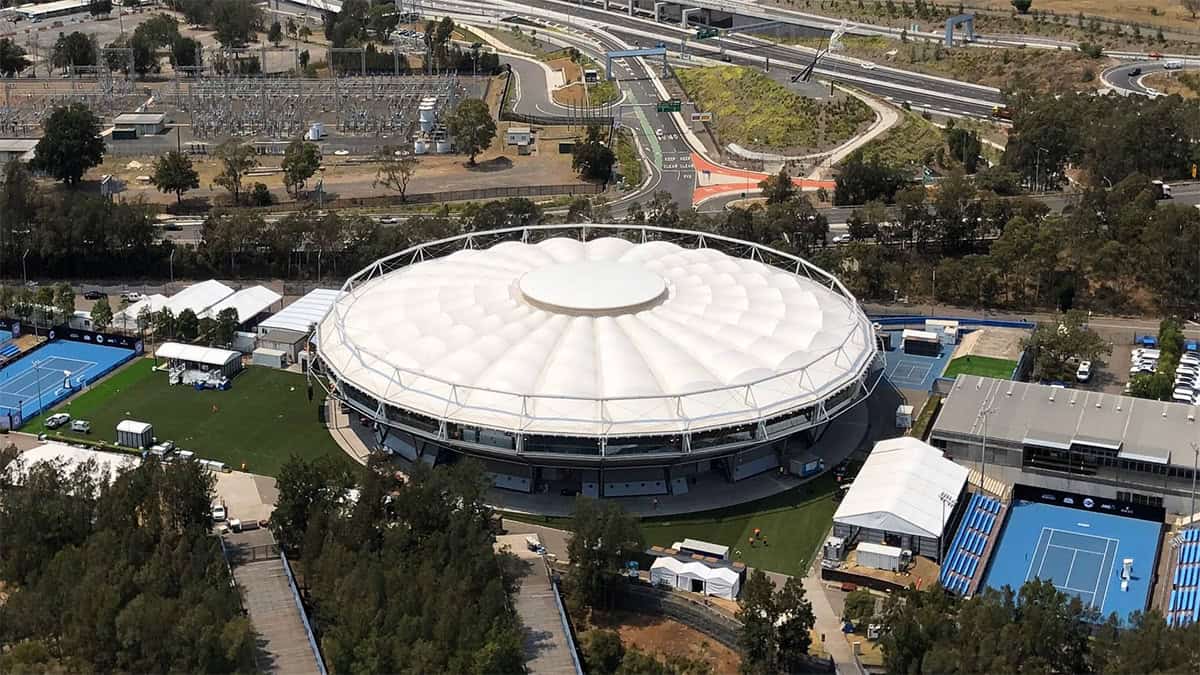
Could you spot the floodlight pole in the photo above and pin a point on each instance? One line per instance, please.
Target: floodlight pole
(946, 500)
(984, 414)
(1195, 462)
(36, 370)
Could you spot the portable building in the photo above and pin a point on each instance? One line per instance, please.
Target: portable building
(921, 342)
(879, 556)
(200, 358)
(134, 434)
(271, 358)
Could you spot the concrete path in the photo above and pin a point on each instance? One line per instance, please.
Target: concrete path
(282, 642)
(548, 648)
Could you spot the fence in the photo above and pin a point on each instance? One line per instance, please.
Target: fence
(568, 628)
(447, 196)
(308, 631)
(583, 119)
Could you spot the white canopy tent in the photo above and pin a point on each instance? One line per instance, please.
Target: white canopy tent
(695, 576)
(905, 492)
(248, 302)
(207, 358)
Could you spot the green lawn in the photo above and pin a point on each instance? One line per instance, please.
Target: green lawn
(981, 365)
(793, 522)
(264, 419)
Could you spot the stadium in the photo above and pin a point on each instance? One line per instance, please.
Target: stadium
(605, 359)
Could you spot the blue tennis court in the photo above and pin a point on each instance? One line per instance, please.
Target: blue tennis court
(54, 371)
(1080, 552)
(913, 371)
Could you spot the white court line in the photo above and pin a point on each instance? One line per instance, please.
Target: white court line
(1036, 548)
(1116, 547)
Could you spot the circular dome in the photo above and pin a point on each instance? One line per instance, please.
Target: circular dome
(603, 337)
(592, 287)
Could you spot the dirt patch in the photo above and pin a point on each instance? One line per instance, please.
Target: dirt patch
(668, 638)
(570, 70)
(992, 342)
(572, 94)
(1186, 85)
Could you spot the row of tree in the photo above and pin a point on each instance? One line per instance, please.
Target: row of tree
(115, 577)
(400, 575)
(1037, 629)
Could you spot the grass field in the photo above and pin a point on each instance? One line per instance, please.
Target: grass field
(793, 523)
(914, 140)
(264, 419)
(757, 112)
(981, 365)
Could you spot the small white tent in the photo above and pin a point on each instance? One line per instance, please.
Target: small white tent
(696, 577)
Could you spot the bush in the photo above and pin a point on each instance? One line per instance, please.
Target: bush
(261, 195)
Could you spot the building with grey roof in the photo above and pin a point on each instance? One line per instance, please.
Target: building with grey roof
(1125, 448)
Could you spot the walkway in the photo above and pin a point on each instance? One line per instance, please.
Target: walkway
(282, 641)
(349, 437)
(548, 648)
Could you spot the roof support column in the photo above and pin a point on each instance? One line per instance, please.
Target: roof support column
(658, 10)
(684, 14)
(632, 5)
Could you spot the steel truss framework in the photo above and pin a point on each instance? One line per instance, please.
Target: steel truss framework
(811, 404)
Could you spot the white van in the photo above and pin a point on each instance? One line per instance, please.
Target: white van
(1172, 65)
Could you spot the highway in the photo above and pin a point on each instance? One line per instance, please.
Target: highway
(1128, 77)
(919, 90)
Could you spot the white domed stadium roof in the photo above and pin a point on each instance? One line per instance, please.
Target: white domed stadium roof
(598, 338)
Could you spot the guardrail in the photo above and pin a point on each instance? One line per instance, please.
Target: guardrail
(308, 632)
(440, 197)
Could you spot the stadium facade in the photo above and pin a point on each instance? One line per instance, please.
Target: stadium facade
(608, 359)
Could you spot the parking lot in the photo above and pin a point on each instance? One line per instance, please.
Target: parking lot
(247, 496)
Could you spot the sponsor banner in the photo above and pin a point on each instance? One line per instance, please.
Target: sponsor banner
(65, 332)
(1083, 502)
(11, 325)
(10, 419)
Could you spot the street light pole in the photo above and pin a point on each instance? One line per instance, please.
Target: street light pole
(1195, 462)
(947, 500)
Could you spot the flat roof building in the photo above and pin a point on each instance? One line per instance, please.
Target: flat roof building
(1127, 448)
(19, 149)
(142, 124)
(45, 10)
(302, 315)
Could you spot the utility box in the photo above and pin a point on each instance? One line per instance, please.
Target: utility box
(805, 466)
(879, 556)
(134, 434)
(904, 417)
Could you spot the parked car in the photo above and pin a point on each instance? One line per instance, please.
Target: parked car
(131, 296)
(1084, 372)
(92, 295)
(218, 511)
(81, 426)
(57, 420)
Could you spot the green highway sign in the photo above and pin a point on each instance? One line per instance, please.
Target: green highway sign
(704, 33)
(673, 105)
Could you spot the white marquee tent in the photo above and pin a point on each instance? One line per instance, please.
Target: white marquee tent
(695, 576)
(897, 497)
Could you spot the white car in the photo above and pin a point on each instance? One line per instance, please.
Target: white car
(131, 296)
(842, 238)
(1084, 372)
(658, 133)
(81, 426)
(218, 511)
(57, 420)
(867, 65)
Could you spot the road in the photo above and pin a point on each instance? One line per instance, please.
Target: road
(1129, 77)
(919, 90)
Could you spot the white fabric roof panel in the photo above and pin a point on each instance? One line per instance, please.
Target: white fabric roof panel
(108, 464)
(303, 313)
(154, 303)
(133, 426)
(470, 341)
(199, 297)
(248, 302)
(196, 354)
(898, 489)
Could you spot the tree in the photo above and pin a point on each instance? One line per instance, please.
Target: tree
(187, 326)
(603, 538)
(70, 145)
(64, 300)
(12, 58)
(592, 158)
(100, 7)
(236, 159)
(1022, 6)
(173, 172)
(1054, 344)
(964, 146)
(226, 324)
(301, 160)
(859, 606)
(74, 49)
(275, 34)
(165, 324)
(603, 652)
(472, 127)
(1192, 6)
(185, 53)
(778, 188)
(758, 614)
(862, 180)
(236, 22)
(397, 167)
(102, 314)
(794, 627)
